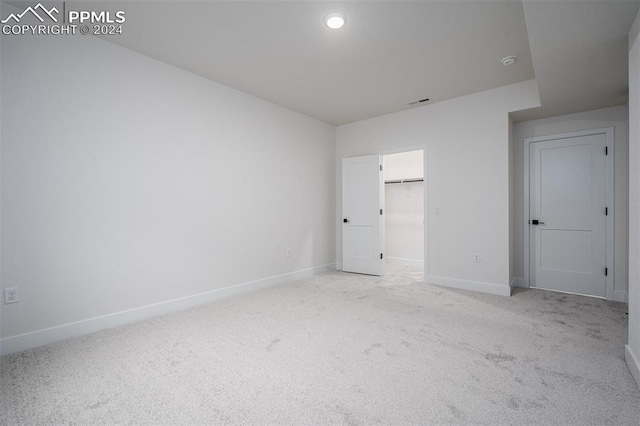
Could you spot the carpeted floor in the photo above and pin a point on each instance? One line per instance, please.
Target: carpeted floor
(340, 349)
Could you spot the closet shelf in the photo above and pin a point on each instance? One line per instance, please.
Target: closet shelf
(404, 180)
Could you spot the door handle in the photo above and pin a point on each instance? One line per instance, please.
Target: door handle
(536, 222)
(346, 220)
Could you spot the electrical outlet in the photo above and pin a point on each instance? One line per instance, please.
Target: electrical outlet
(476, 257)
(11, 295)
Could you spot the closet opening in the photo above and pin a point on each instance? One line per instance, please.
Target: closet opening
(404, 193)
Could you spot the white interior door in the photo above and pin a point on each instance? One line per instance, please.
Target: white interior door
(362, 226)
(567, 222)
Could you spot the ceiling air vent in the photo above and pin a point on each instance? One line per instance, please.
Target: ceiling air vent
(419, 101)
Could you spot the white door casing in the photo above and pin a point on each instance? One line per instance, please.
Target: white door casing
(570, 198)
(362, 226)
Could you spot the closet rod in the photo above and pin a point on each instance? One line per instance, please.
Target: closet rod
(404, 180)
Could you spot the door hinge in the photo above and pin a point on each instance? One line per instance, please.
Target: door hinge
(606, 150)
(380, 167)
(606, 271)
(380, 212)
(606, 211)
(380, 255)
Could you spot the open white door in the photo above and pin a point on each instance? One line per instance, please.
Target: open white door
(362, 226)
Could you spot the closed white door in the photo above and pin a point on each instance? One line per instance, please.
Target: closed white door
(362, 201)
(567, 214)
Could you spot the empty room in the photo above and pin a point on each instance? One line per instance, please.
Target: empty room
(320, 212)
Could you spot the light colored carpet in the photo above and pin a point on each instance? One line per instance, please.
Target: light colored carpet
(340, 349)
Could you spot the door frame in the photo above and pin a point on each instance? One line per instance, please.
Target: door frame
(425, 170)
(609, 188)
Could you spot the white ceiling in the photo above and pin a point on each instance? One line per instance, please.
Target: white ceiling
(580, 53)
(391, 52)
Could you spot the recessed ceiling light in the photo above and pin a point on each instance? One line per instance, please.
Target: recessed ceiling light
(335, 20)
(509, 60)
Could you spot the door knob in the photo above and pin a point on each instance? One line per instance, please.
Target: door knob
(345, 220)
(536, 222)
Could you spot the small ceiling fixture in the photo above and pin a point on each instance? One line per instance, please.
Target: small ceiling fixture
(509, 60)
(335, 20)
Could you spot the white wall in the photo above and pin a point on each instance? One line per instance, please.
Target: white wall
(467, 176)
(616, 117)
(404, 227)
(2, 11)
(404, 208)
(632, 354)
(127, 183)
(512, 277)
(403, 165)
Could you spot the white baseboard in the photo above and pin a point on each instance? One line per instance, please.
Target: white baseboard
(500, 290)
(46, 336)
(634, 364)
(405, 262)
(620, 296)
(517, 282)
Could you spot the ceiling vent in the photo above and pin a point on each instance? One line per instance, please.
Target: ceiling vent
(419, 101)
